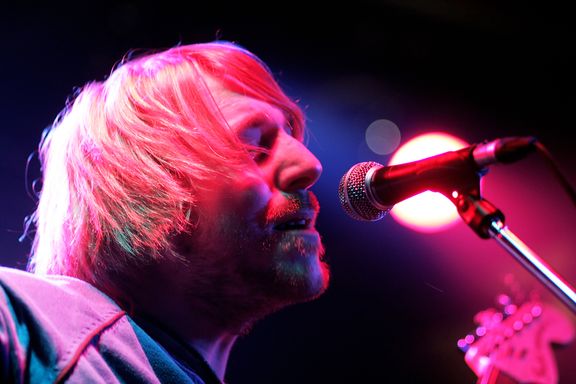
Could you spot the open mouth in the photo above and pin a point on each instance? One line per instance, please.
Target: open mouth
(294, 224)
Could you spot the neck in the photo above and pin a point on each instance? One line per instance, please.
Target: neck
(161, 305)
(202, 341)
(215, 351)
(212, 342)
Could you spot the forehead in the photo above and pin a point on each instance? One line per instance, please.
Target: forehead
(241, 110)
(237, 108)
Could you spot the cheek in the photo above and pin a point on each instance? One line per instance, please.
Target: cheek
(232, 212)
(248, 199)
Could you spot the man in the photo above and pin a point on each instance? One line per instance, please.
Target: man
(174, 213)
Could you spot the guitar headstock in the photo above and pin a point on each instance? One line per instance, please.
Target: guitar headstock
(517, 340)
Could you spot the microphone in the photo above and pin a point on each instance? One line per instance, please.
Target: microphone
(369, 190)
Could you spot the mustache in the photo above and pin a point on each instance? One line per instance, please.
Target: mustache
(293, 204)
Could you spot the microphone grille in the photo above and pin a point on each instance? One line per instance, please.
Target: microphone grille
(353, 195)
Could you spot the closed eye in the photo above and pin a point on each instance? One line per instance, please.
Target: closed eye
(259, 132)
(260, 148)
(259, 137)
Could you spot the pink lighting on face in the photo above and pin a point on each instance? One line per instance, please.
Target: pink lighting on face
(429, 211)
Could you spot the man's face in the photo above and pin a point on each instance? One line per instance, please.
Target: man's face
(256, 248)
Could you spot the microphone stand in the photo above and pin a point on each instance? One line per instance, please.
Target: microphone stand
(488, 222)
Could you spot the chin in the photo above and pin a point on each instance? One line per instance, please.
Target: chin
(304, 281)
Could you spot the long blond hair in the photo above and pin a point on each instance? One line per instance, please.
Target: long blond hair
(122, 161)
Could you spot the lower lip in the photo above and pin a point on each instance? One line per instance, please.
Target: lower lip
(309, 234)
(296, 231)
(298, 242)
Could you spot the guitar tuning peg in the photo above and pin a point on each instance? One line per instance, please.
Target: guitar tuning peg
(485, 317)
(465, 342)
(480, 331)
(510, 309)
(502, 300)
(536, 310)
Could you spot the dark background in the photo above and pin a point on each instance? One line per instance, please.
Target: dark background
(399, 299)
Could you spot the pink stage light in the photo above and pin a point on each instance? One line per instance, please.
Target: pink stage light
(429, 211)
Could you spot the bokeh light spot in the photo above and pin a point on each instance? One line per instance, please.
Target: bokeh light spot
(383, 136)
(429, 211)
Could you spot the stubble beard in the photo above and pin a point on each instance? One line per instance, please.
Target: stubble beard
(239, 283)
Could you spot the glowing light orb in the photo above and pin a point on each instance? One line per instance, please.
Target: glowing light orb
(383, 136)
(428, 211)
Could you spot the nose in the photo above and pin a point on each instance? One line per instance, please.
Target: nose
(297, 168)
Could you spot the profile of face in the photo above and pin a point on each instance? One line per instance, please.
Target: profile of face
(255, 248)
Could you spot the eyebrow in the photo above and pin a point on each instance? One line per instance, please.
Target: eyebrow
(252, 119)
